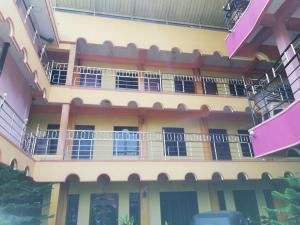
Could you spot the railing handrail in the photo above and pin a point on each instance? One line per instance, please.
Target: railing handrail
(271, 70)
(163, 75)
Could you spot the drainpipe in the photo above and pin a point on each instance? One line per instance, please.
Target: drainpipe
(3, 55)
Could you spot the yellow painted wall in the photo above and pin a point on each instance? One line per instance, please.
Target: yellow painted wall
(122, 32)
(154, 188)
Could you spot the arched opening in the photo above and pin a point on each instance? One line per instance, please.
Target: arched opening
(217, 177)
(293, 153)
(14, 164)
(134, 178)
(162, 177)
(103, 179)
(266, 176)
(242, 176)
(190, 177)
(72, 178)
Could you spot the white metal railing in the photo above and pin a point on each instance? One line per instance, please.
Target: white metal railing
(31, 27)
(13, 126)
(110, 145)
(108, 78)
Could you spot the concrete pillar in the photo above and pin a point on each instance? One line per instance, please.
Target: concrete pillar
(141, 77)
(213, 197)
(53, 205)
(283, 39)
(143, 138)
(64, 119)
(62, 204)
(206, 147)
(198, 83)
(71, 63)
(144, 196)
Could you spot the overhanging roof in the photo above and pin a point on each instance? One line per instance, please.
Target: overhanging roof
(206, 13)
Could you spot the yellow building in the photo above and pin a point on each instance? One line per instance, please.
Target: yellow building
(134, 108)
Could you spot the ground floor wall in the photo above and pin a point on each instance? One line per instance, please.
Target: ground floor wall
(150, 195)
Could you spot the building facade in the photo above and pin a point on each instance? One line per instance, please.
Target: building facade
(151, 110)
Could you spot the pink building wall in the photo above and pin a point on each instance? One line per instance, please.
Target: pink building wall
(246, 24)
(13, 83)
(280, 132)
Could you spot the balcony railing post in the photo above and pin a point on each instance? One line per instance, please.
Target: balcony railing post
(28, 13)
(215, 148)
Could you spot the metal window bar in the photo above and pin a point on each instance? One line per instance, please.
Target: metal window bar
(233, 10)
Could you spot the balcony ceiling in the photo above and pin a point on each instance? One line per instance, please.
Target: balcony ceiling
(187, 12)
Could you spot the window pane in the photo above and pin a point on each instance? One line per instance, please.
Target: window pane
(174, 142)
(209, 87)
(104, 209)
(134, 207)
(219, 144)
(83, 142)
(126, 141)
(48, 143)
(245, 143)
(128, 80)
(152, 82)
(237, 89)
(58, 75)
(184, 84)
(72, 209)
(90, 78)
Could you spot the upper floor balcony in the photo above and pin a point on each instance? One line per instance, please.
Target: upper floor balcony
(274, 103)
(233, 10)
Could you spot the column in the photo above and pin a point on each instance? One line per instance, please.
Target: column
(64, 119)
(53, 205)
(198, 83)
(142, 138)
(62, 204)
(213, 197)
(71, 63)
(141, 77)
(206, 147)
(282, 39)
(144, 196)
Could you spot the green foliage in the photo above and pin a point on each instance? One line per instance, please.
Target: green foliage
(21, 199)
(291, 205)
(125, 220)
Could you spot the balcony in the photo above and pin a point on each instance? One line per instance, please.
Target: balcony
(129, 145)
(274, 102)
(149, 81)
(233, 11)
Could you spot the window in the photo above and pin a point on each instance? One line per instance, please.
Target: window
(48, 144)
(236, 88)
(72, 209)
(209, 86)
(90, 77)
(221, 200)
(219, 144)
(83, 142)
(245, 202)
(174, 142)
(245, 143)
(59, 74)
(178, 208)
(134, 207)
(152, 82)
(127, 80)
(126, 141)
(184, 84)
(104, 209)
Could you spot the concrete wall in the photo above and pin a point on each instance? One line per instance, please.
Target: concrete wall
(202, 188)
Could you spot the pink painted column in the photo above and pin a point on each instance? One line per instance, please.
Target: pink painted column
(283, 40)
(71, 63)
(64, 119)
